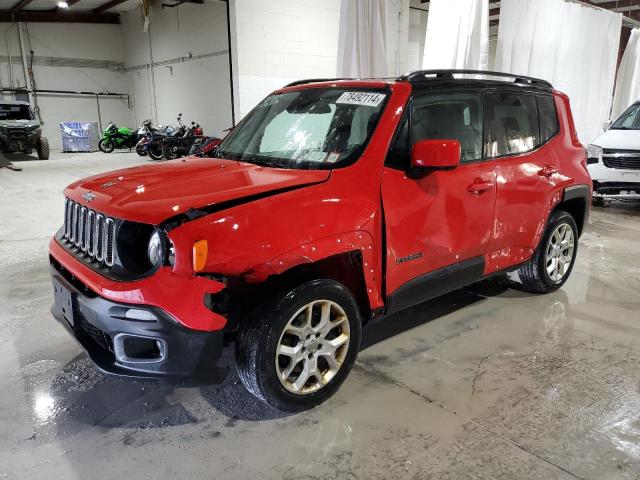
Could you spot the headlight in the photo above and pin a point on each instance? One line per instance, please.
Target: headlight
(594, 153)
(154, 249)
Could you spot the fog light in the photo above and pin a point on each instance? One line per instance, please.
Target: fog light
(140, 315)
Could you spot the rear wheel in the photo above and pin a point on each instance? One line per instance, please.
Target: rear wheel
(295, 351)
(43, 148)
(597, 201)
(140, 150)
(553, 260)
(106, 145)
(169, 152)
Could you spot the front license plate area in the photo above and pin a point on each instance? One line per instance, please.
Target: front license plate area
(63, 300)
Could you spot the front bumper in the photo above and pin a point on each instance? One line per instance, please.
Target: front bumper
(156, 347)
(133, 331)
(619, 190)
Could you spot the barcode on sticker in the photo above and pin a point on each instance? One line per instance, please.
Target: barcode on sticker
(361, 98)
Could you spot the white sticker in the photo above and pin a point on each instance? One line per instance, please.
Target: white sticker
(367, 99)
(332, 157)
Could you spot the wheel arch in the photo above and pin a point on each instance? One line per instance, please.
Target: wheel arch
(576, 201)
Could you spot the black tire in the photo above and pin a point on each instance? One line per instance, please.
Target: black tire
(597, 201)
(141, 151)
(106, 145)
(260, 335)
(533, 274)
(43, 148)
(169, 151)
(155, 151)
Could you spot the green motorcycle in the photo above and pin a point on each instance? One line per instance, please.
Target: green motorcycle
(118, 137)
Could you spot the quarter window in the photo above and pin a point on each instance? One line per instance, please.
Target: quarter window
(511, 124)
(548, 117)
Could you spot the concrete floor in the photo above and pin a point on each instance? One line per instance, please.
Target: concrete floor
(487, 382)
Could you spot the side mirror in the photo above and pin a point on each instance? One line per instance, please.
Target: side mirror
(435, 155)
(606, 125)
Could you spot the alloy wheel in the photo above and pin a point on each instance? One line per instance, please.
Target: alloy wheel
(313, 346)
(559, 253)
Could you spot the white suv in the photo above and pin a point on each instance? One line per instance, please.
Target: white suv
(614, 158)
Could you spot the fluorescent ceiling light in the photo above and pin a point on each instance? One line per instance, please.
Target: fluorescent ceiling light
(63, 4)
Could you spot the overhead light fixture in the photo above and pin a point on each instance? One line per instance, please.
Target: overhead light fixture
(63, 4)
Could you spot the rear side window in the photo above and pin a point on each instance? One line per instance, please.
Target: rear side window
(548, 117)
(450, 116)
(511, 124)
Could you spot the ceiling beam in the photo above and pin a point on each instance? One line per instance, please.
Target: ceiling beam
(107, 6)
(57, 16)
(71, 3)
(20, 5)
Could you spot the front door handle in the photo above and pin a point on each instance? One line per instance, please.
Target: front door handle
(480, 187)
(547, 171)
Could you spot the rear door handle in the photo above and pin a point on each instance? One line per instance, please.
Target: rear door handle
(480, 187)
(547, 171)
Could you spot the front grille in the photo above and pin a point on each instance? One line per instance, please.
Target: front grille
(90, 232)
(622, 159)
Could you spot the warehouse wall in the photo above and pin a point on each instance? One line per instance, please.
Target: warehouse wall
(57, 43)
(280, 41)
(191, 42)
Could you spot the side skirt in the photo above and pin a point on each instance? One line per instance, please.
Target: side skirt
(436, 283)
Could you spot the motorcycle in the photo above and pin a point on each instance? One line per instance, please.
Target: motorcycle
(179, 146)
(117, 137)
(155, 144)
(205, 146)
(150, 142)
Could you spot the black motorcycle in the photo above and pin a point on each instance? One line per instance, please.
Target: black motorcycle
(154, 147)
(179, 146)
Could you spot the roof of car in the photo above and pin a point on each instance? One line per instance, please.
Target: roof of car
(438, 78)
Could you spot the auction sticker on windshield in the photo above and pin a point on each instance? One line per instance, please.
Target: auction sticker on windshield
(361, 98)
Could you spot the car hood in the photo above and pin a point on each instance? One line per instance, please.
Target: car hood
(18, 123)
(619, 139)
(154, 193)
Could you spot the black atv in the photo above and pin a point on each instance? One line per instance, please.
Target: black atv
(20, 131)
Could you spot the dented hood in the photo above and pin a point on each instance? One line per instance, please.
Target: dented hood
(154, 193)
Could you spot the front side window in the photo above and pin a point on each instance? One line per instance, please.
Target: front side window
(629, 120)
(511, 124)
(15, 112)
(450, 116)
(313, 128)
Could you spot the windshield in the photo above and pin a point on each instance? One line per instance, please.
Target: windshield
(315, 128)
(15, 112)
(629, 120)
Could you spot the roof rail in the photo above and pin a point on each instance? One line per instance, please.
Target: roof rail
(314, 80)
(448, 74)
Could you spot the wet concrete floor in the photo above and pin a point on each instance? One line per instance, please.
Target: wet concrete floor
(487, 382)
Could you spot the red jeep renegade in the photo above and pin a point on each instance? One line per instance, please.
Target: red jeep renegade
(333, 202)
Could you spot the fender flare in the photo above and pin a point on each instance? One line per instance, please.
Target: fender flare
(323, 248)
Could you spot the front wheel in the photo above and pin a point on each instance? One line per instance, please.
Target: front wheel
(155, 150)
(106, 145)
(553, 260)
(42, 148)
(295, 351)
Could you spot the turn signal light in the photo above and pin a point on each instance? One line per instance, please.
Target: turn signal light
(200, 249)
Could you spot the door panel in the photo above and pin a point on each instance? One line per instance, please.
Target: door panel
(436, 221)
(525, 185)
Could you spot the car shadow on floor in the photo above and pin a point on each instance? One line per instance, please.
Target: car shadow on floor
(94, 399)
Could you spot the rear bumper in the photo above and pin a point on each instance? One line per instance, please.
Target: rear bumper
(152, 346)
